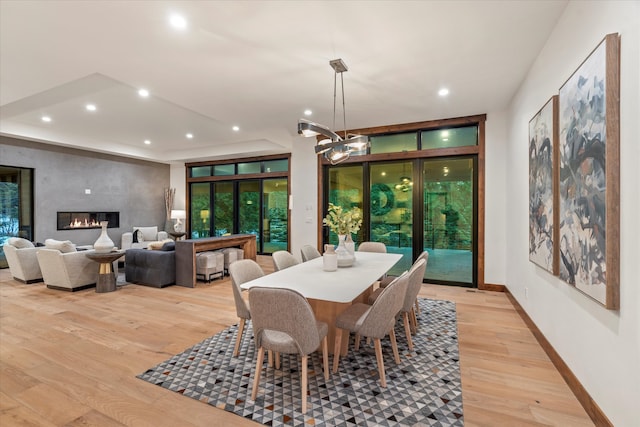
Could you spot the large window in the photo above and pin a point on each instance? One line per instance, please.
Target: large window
(16, 206)
(422, 193)
(248, 197)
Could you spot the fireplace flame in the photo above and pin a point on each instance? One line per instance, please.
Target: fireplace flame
(77, 223)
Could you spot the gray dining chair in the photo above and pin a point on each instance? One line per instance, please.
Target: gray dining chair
(282, 260)
(309, 252)
(384, 282)
(242, 271)
(378, 247)
(416, 273)
(283, 322)
(373, 321)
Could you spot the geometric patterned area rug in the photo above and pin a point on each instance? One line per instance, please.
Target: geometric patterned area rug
(424, 389)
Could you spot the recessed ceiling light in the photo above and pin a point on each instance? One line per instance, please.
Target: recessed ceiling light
(443, 92)
(46, 119)
(143, 93)
(178, 22)
(146, 141)
(308, 112)
(235, 128)
(90, 107)
(189, 136)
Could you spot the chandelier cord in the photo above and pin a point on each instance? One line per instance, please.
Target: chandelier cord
(344, 110)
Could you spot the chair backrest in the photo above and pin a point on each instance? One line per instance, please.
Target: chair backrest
(416, 274)
(282, 260)
(380, 318)
(424, 255)
(285, 311)
(309, 252)
(243, 271)
(372, 247)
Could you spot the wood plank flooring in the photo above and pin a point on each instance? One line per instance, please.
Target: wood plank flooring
(70, 359)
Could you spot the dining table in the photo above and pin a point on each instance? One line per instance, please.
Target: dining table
(331, 292)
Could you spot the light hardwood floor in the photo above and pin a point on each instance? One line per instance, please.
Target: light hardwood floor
(70, 359)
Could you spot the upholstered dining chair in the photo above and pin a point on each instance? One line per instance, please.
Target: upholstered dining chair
(384, 282)
(373, 321)
(282, 260)
(416, 273)
(241, 272)
(283, 322)
(309, 252)
(372, 247)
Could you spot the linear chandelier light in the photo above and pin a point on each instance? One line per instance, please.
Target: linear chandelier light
(335, 148)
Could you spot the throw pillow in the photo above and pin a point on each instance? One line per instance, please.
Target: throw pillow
(63, 246)
(138, 236)
(155, 245)
(19, 243)
(169, 246)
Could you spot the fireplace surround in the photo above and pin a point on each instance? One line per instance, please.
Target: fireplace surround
(84, 220)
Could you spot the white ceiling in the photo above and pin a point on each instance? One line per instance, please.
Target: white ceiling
(254, 64)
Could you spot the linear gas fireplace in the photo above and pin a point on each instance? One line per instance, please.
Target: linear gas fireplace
(84, 220)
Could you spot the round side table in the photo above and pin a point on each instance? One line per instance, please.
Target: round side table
(106, 276)
(177, 235)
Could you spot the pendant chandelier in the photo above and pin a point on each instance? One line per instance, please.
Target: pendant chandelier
(335, 148)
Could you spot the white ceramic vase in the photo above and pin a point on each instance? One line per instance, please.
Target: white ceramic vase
(329, 259)
(104, 244)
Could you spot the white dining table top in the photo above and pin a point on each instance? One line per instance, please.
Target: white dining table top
(342, 286)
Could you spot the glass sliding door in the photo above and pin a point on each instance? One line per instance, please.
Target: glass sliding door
(200, 210)
(449, 223)
(16, 206)
(391, 209)
(249, 209)
(223, 208)
(275, 214)
(345, 188)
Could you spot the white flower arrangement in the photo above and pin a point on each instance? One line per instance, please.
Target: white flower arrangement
(341, 221)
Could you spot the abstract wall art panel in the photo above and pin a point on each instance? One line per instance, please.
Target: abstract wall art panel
(589, 184)
(543, 155)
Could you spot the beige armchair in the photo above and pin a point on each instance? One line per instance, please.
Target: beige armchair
(146, 235)
(70, 271)
(21, 257)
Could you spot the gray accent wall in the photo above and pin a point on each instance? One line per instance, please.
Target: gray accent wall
(135, 188)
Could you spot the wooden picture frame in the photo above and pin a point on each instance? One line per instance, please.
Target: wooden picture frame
(543, 184)
(589, 186)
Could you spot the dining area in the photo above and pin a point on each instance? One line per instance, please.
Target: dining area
(309, 307)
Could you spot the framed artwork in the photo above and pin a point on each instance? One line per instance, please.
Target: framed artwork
(589, 109)
(543, 181)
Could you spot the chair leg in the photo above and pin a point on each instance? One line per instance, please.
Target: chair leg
(325, 358)
(414, 321)
(277, 360)
(378, 346)
(357, 346)
(256, 378)
(236, 349)
(304, 378)
(270, 358)
(336, 349)
(417, 306)
(394, 346)
(407, 329)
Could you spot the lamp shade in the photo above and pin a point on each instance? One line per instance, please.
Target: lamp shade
(178, 214)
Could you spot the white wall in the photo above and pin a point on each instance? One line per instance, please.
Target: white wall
(304, 191)
(179, 182)
(601, 347)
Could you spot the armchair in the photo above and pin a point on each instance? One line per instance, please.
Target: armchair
(21, 257)
(146, 235)
(70, 271)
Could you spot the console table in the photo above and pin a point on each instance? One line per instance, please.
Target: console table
(186, 253)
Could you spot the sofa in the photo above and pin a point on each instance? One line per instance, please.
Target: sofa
(151, 267)
(67, 271)
(22, 260)
(140, 237)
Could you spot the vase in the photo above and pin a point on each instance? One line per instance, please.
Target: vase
(329, 259)
(345, 259)
(104, 244)
(350, 245)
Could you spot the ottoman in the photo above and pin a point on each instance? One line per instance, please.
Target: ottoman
(231, 255)
(209, 264)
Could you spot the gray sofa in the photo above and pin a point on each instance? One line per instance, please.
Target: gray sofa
(151, 267)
